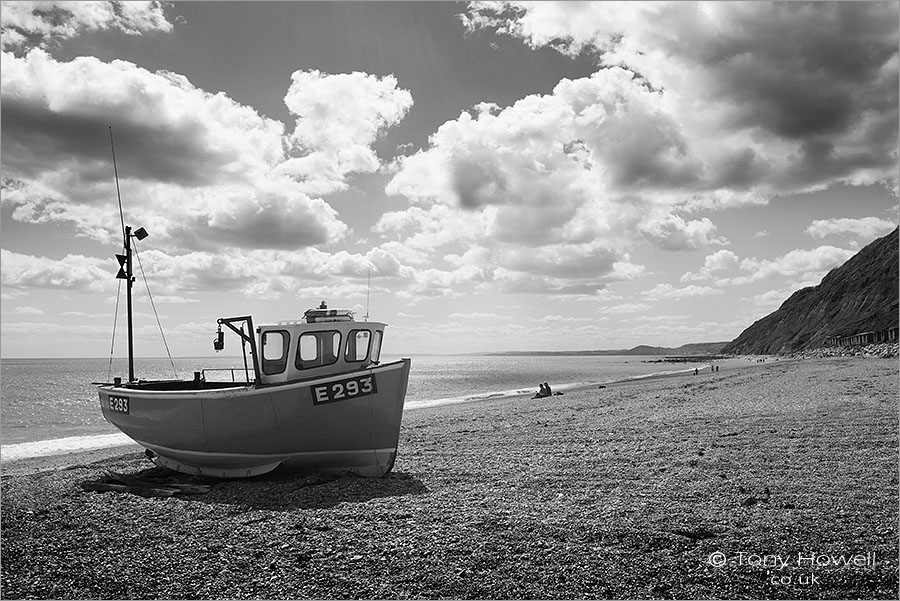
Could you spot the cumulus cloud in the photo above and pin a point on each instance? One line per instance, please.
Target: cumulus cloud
(695, 108)
(416, 233)
(198, 170)
(553, 152)
(867, 228)
(798, 265)
(72, 272)
(339, 117)
(672, 232)
(559, 185)
(726, 268)
(721, 260)
(166, 129)
(794, 95)
(27, 24)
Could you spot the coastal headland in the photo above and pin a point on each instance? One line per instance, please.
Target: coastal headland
(777, 481)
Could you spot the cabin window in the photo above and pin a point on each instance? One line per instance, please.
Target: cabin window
(376, 346)
(358, 345)
(317, 349)
(274, 351)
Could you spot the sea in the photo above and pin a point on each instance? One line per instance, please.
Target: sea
(50, 406)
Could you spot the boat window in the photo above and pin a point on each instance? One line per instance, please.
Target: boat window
(274, 351)
(358, 345)
(317, 349)
(376, 346)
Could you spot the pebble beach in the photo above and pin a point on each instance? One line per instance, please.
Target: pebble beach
(771, 481)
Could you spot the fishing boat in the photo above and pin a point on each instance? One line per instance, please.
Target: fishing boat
(315, 396)
(319, 400)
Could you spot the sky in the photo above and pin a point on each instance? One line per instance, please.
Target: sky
(481, 176)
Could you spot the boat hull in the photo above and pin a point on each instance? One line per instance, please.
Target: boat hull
(344, 423)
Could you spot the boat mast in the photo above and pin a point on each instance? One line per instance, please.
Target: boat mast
(129, 278)
(125, 266)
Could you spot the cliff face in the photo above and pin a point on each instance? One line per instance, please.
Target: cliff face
(859, 296)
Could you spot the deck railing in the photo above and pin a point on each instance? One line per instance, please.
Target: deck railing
(247, 379)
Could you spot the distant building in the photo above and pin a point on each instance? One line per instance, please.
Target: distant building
(888, 335)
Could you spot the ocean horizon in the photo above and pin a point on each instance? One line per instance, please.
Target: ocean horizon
(50, 405)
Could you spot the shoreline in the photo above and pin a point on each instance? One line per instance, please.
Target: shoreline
(626, 492)
(54, 451)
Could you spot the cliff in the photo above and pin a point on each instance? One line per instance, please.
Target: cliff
(859, 296)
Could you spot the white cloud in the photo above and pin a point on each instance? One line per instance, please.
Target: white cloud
(721, 260)
(773, 299)
(269, 274)
(339, 117)
(663, 319)
(568, 319)
(554, 153)
(624, 309)
(553, 190)
(422, 233)
(165, 128)
(74, 272)
(198, 170)
(174, 300)
(24, 24)
(799, 265)
(27, 310)
(671, 232)
(480, 316)
(867, 228)
(775, 97)
(667, 291)
(537, 278)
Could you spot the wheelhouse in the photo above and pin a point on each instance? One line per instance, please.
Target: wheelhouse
(320, 345)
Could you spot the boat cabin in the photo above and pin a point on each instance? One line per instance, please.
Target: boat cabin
(325, 342)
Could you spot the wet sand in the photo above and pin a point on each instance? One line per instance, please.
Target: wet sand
(785, 474)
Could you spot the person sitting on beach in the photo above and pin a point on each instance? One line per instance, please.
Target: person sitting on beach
(542, 392)
(547, 389)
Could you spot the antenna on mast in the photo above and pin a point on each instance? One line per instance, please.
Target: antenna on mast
(116, 170)
(368, 287)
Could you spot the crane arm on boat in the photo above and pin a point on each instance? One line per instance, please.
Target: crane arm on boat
(246, 338)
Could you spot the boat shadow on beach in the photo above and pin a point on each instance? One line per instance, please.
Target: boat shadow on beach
(281, 490)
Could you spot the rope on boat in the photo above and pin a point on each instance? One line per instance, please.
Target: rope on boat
(112, 344)
(155, 314)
